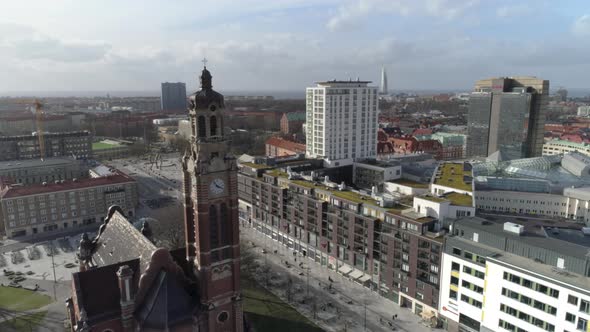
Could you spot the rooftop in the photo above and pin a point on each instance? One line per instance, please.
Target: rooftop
(26, 163)
(286, 144)
(454, 175)
(65, 185)
(255, 166)
(410, 183)
(459, 199)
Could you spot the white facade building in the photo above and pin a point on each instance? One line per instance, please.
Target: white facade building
(501, 277)
(341, 122)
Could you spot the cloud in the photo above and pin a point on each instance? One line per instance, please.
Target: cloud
(581, 26)
(354, 14)
(26, 43)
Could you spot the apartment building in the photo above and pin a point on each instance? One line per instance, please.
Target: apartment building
(387, 247)
(63, 144)
(63, 204)
(36, 171)
(341, 123)
(515, 276)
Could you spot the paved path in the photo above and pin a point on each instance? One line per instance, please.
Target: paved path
(379, 310)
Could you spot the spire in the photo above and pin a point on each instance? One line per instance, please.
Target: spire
(383, 81)
(206, 77)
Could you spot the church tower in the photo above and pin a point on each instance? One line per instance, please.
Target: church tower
(211, 211)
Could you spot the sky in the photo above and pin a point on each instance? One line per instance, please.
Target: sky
(261, 45)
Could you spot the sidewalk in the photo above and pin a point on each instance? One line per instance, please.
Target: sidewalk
(348, 295)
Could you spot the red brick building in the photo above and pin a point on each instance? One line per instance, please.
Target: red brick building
(279, 147)
(127, 284)
(291, 122)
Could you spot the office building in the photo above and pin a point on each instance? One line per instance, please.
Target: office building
(367, 237)
(558, 146)
(556, 186)
(64, 204)
(36, 171)
(515, 275)
(341, 124)
(507, 115)
(77, 144)
(453, 145)
(584, 110)
(173, 97)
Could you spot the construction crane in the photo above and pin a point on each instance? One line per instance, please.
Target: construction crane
(39, 118)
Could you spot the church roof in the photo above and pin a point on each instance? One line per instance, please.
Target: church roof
(97, 290)
(120, 241)
(166, 304)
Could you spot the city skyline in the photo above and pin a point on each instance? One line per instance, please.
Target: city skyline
(289, 44)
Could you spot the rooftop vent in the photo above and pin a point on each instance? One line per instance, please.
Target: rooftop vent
(586, 231)
(44, 183)
(513, 228)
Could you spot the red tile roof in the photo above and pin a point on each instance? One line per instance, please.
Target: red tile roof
(18, 191)
(285, 144)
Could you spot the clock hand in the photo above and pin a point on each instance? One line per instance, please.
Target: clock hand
(218, 186)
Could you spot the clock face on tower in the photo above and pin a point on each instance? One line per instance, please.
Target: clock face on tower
(217, 187)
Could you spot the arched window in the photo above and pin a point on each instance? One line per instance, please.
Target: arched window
(224, 225)
(213, 227)
(213, 125)
(202, 127)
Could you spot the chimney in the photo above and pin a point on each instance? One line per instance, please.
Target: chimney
(125, 276)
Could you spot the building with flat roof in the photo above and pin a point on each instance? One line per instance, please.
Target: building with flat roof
(173, 97)
(35, 171)
(525, 275)
(507, 115)
(341, 123)
(63, 204)
(370, 238)
(559, 146)
(555, 186)
(65, 144)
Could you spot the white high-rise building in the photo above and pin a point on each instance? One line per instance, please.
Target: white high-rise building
(383, 90)
(341, 121)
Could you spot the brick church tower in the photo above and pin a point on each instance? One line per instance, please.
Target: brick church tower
(211, 211)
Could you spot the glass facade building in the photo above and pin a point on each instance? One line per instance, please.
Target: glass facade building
(507, 115)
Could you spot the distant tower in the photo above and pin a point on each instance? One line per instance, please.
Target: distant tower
(383, 90)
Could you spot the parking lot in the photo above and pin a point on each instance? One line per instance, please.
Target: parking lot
(37, 261)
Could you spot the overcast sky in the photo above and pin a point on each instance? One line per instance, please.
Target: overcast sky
(289, 44)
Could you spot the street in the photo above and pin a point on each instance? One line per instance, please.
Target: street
(341, 306)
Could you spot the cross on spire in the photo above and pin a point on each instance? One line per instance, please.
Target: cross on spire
(204, 62)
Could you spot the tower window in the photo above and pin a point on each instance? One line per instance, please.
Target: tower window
(213, 230)
(202, 127)
(213, 125)
(224, 225)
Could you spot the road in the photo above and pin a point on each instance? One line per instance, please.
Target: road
(348, 296)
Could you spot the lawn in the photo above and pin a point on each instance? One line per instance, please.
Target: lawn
(23, 323)
(19, 299)
(102, 146)
(267, 313)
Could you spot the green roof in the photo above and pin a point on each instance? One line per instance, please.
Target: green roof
(451, 175)
(303, 183)
(460, 199)
(256, 166)
(433, 199)
(410, 183)
(296, 116)
(104, 146)
(277, 173)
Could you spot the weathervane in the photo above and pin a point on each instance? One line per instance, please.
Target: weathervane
(204, 62)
